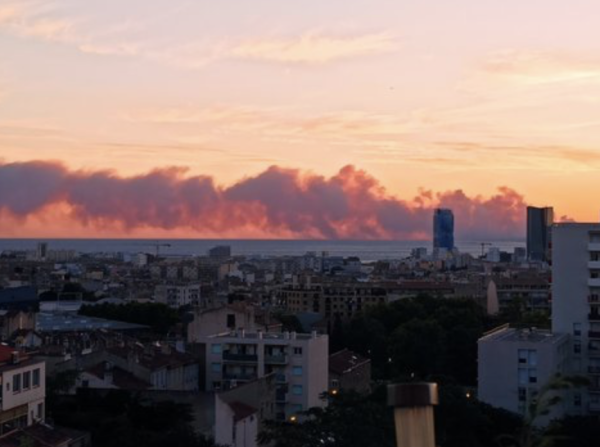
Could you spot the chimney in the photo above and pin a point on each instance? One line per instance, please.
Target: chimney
(293, 335)
(314, 334)
(14, 357)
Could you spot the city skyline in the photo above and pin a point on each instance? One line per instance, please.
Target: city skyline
(401, 93)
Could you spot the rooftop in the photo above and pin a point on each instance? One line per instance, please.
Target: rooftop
(345, 361)
(531, 335)
(52, 322)
(267, 335)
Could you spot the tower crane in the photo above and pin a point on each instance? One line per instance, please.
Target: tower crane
(483, 244)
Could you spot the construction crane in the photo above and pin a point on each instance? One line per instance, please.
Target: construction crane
(483, 244)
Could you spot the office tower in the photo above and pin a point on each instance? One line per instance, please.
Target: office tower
(443, 229)
(539, 223)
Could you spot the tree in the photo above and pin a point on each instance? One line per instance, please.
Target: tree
(418, 347)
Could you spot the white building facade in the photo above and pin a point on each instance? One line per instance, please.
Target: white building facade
(23, 393)
(299, 362)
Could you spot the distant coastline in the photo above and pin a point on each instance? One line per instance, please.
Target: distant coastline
(366, 250)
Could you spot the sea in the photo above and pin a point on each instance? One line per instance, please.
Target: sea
(365, 250)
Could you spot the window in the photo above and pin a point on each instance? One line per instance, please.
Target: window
(577, 399)
(40, 410)
(215, 349)
(231, 321)
(523, 376)
(36, 377)
(16, 383)
(215, 367)
(297, 370)
(577, 329)
(297, 408)
(297, 351)
(576, 347)
(297, 390)
(532, 356)
(528, 357)
(26, 380)
(523, 356)
(532, 376)
(522, 394)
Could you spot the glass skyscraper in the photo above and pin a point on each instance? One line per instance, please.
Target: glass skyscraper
(539, 227)
(443, 229)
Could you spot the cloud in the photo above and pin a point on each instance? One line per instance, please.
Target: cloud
(278, 202)
(314, 48)
(47, 21)
(542, 67)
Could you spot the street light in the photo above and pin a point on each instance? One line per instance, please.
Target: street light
(413, 413)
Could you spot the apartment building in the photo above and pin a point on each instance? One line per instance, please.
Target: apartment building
(211, 321)
(572, 348)
(576, 302)
(22, 390)
(333, 300)
(299, 362)
(514, 364)
(176, 296)
(533, 291)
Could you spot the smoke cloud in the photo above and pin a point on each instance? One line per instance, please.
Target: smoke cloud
(278, 202)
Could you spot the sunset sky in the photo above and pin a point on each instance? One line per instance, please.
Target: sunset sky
(422, 98)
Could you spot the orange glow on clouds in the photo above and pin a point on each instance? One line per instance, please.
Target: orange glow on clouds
(47, 199)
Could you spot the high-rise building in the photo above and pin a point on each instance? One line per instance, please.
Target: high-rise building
(443, 229)
(514, 365)
(539, 224)
(576, 303)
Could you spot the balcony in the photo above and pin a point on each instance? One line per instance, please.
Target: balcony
(276, 359)
(594, 246)
(280, 397)
(240, 377)
(594, 282)
(594, 334)
(594, 265)
(594, 369)
(240, 358)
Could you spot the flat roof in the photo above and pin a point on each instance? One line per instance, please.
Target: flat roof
(60, 322)
(524, 335)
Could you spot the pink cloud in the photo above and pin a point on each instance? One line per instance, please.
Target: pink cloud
(278, 202)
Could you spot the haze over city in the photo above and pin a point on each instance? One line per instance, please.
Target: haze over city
(186, 116)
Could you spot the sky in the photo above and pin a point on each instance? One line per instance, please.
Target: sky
(325, 119)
